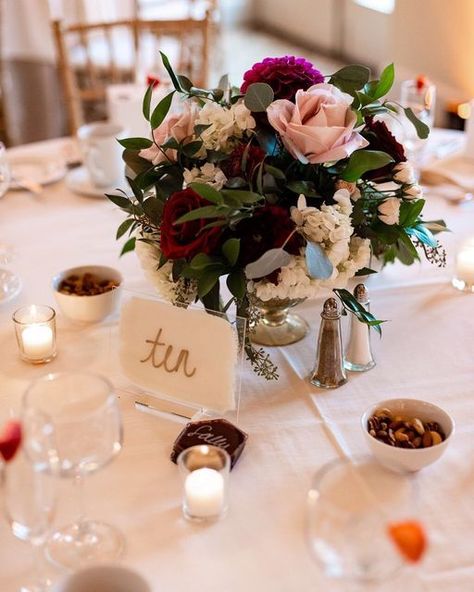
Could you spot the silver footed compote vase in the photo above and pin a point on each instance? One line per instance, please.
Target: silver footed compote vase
(277, 325)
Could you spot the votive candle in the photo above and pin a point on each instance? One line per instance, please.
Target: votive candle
(464, 272)
(205, 471)
(35, 329)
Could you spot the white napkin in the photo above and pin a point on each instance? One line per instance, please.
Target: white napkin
(452, 176)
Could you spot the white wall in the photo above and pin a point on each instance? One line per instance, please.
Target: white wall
(310, 21)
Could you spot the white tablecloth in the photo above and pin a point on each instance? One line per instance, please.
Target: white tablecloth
(427, 352)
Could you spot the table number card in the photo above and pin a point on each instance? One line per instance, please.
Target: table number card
(182, 354)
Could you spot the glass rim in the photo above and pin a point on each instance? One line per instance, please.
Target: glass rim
(29, 306)
(180, 461)
(26, 403)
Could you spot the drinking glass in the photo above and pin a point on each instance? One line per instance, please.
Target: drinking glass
(84, 412)
(29, 497)
(349, 507)
(420, 96)
(10, 283)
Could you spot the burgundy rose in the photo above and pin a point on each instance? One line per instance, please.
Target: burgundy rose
(381, 138)
(232, 167)
(268, 228)
(285, 75)
(183, 241)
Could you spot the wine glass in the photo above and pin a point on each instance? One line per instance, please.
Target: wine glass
(84, 412)
(10, 284)
(29, 499)
(349, 507)
(420, 96)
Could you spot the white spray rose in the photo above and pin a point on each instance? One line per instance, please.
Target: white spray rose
(209, 173)
(413, 192)
(404, 173)
(389, 210)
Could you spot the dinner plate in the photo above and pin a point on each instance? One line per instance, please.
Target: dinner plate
(78, 181)
(42, 170)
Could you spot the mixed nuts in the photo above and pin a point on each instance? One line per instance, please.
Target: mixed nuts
(87, 284)
(404, 432)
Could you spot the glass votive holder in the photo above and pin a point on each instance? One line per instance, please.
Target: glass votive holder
(464, 270)
(205, 471)
(35, 330)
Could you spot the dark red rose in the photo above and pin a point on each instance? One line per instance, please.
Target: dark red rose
(10, 439)
(285, 75)
(268, 228)
(183, 241)
(381, 138)
(232, 167)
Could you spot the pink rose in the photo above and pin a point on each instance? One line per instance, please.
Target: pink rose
(179, 126)
(319, 127)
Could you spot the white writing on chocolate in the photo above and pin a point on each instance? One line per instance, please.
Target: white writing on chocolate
(162, 362)
(205, 434)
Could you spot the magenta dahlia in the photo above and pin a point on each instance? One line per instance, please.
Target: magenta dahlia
(285, 75)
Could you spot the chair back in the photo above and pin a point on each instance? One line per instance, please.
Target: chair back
(92, 56)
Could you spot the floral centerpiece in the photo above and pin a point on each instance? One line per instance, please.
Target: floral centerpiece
(284, 186)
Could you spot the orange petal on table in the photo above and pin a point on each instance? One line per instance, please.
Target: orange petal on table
(409, 538)
(10, 439)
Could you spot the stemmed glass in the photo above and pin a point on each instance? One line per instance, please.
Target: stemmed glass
(84, 411)
(420, 96)
(29, 499)
(10, 284)
(349, 507)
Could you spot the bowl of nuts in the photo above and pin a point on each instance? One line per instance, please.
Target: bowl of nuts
(89, 293)
(407, 434)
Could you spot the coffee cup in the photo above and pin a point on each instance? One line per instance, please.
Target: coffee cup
(103, 578)
(102, 153)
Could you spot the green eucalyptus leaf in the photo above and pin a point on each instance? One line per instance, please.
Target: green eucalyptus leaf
(422, 130)
(135, 143)
(231, 249)
(137, 192)
(317, 262)
(267, 263)
(191, 148)
(365, 271)
(362, 161)
(147, 102)
(350, 303)
(224, 83)
(410, 211)
(207, 281)
(128, 246)
(120, 201)
(198, 214)
(201, 127)
(207, 192)
(122, 229)
(184, 82)
(153, 209)
(243, 197)
(161, 110)
(305, 187)
(275, 172)
(258, 97)
(169, 69)
(436, 226)
(351, 78)
(237, 283)
(385, 83)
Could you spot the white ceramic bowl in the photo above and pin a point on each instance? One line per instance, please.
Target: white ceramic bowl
(88, 309)
(406, 459)
(106, 578)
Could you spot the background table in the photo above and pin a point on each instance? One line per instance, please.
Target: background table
(426, 352)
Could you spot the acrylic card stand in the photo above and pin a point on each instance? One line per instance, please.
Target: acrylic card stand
(178, 362)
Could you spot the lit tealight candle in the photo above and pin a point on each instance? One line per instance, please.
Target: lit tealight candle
(36, 333)
(464, 275)
(204, 493)
(37, 342)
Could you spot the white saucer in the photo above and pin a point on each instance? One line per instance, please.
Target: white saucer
(78, 181)
(37, 169)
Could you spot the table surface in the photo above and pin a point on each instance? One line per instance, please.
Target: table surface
(426, 352)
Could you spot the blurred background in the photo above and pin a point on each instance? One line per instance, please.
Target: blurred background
(64, 62)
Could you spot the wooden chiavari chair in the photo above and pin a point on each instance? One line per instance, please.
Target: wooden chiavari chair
(91, 56)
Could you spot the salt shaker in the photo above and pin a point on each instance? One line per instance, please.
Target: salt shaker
(329, 368)
(358, 356)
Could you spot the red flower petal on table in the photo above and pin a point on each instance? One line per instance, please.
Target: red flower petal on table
(10, 439)
(410, 539)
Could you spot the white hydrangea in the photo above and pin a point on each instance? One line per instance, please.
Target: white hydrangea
(294, 281)
(331, 228)
(225, 123)
(161, 279)
(208, 173)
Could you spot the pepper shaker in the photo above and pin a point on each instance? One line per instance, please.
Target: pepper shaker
(329, 368)
(358, 355)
